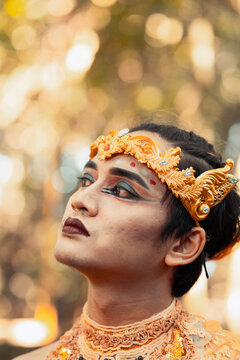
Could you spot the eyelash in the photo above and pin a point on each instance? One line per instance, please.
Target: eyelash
(113, 190)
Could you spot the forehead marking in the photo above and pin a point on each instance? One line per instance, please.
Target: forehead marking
(133, 164)
(117, 161)
(152, 182)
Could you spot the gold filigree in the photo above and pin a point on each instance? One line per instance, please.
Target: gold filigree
(187, 337)
(175, 350)
(198, 195)
(109, 339)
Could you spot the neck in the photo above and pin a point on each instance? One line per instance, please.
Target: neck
(123, 302)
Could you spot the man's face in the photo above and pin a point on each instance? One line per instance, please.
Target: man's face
(119, 204)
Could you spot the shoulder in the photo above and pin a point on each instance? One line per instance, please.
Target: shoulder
(220, 343)
(38, 354)
(209, 339)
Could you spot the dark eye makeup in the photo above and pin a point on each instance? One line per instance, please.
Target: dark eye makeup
(122, 189)
(84, 179)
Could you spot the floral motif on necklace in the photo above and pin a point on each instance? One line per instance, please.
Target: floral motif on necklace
(159, 337)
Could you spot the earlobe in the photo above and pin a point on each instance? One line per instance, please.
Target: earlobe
(187, 248)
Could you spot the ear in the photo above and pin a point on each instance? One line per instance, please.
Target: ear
(187, 248)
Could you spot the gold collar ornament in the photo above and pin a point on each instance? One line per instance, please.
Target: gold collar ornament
(161, 336)
(172, 334)
(198, 195)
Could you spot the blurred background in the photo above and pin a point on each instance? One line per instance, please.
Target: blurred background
(69, 71)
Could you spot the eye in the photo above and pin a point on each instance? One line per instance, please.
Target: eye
(122, 190)
(85, 180)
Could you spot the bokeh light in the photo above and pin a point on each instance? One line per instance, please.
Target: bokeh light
(202, 49)
(164, 30)
(23, 37)
(232, 306)
(81, 56)
(15, 7)
(104, 3)
(64, 179)
(19, 284)
(27, 332)
(150, 98)
(5, 307)
(60, 7)
(18, 171)
(231, 85)
(6, 167)
(188, 99)
(82, 157)
(203, 56)
(233, 311)
(11, 196)
(36, 9)
(52, 76)
(130, 70)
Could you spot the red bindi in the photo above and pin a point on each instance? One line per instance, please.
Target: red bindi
(107, 147)
(152, 182)
(133, 164)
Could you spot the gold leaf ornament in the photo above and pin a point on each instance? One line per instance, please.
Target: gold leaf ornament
(198, 195)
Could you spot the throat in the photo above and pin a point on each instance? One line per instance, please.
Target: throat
(109, 307)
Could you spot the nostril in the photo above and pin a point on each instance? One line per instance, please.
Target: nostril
(83, 209)
(78, 208)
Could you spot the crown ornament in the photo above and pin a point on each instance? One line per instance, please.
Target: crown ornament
(198, 195)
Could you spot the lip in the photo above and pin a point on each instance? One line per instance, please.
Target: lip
(73, 226)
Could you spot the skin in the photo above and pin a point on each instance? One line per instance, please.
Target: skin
(128, 268)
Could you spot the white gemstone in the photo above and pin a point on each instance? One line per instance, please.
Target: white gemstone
(205, 209)
(69, 351)
(233, 180)
(163, 162)
(188, 173)
(64, 350)
(123, 132)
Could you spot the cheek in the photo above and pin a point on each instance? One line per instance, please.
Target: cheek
(135, 223)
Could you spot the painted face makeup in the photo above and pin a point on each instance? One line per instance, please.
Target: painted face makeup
(113, 201)
(144, 172)
(117, 161)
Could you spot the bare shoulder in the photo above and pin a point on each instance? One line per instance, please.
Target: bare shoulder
(38, 354)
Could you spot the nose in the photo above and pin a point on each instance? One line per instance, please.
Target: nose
(85, 201)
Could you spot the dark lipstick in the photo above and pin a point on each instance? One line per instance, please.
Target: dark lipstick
(73, 226)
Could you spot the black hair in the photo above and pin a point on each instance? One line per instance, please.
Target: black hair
(222, 224)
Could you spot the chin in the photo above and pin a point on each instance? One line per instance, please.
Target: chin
(67, 255)
(64, 253)
(60, 255)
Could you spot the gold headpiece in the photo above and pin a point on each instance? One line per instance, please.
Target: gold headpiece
(197, 195)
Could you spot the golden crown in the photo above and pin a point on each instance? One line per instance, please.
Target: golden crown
(197, 195)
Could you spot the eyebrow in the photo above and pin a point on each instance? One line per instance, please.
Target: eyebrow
(90, 164)
(120, 172)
